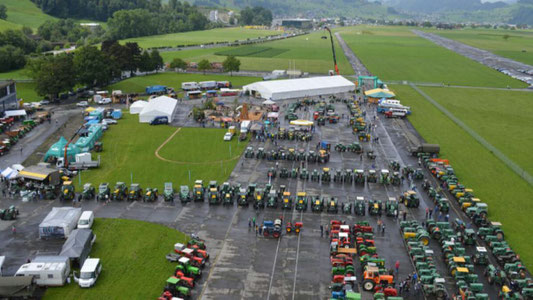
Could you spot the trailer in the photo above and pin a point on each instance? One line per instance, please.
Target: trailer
(59, 223)
(83, 162)
(46, 272)
(208, 85)
(190, 86)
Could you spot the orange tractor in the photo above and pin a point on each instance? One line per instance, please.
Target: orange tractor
(373, 278)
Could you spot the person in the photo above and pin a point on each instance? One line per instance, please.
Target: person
(427, 212)
(404, 215)
(400, 289)
(260, 230)
(249, 222)
(414, 278)
(447, 217)
(13, 229)
(383, 229)
(321, 230)
(327, 231)
(431, 213)
(397, 267)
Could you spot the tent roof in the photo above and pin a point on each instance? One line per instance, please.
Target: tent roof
(76, 243)
(301, 87)
(36, 172)
(379, 93)
(162, 103)
(15, 113)
(301, 122)
(61, 216)
(90, 108)
(139, 103)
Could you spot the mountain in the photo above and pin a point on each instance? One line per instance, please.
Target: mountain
(439, 6)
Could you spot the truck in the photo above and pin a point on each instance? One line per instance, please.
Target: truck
(424, 148)
(245, 126)
(190, 86)
(82, 161)
(208, 85)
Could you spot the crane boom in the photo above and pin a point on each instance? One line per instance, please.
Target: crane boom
(333, 50)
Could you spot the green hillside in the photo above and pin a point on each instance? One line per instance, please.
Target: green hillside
(24, 12)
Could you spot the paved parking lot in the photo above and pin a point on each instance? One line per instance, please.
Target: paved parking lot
(242, 265)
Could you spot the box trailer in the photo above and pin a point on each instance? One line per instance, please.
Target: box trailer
(45, 273)
(425, 148)
(208, 85)
(59, 223)
(190, 86)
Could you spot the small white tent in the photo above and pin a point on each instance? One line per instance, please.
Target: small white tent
(160, 106)
(137, 106)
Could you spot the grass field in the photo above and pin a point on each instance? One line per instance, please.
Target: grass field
(126, 155)
(20, 74)
(395, 53)
(132, 255)
(5, 25)
(501, 117)
(138, 84)
(507, 195)
(517, 46)
(308, 53)
(25, 12)
(200, 37)
(252, 51)
(26, 91)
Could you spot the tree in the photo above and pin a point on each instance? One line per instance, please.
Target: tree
(3, 12)
(231, 64)
(53, 74)
(157, 60)
(92, 66)
(204, 65)
(145, 64)
(256, 16)
(11, 58)
(506, 37)
(178, 63)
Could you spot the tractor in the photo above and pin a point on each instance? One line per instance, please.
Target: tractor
(120, 192)
(347, 176)
(418, 174)
(337, 177)
(355, 147)
(323, 156)
(495, 275)
(395, 178)
(185, 266)
(227, 198)
(294, 173)
(372, 277)
(185, 194)
(9, 214)
(372, 176)
(317, 205)
(168, 192)
(249, 153)
(410, 199)
(135, 192)
(370, 154)
(271, 173)
(250, 192)
(259, 201)
(325, 176)
(103, 192)
(286, 201)
(301, 201)
(359, 206)
(384, 177)
(301, 155)
(67, 191)
(198, 190)
(347, 207)
(493, 229)
(291, 156)
(284, 173)
(312, 157)
(332, 205)
(260, 153)
(391, 207)
(243, 198)
(315, 176)
(213, 196)
(481, 256)
(436, 288)
(515, 270)
(304, 174)
(394, 165)
(150, 195)
(375, 207)
(272, 228)
(88, 192)
(272, 201)
(174, 288)
(442, 204)
(340, 147)
(359, 177)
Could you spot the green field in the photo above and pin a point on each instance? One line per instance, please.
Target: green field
(395, 53)
(252, 51)
(129, 151)
(308, 53)
(25, 12)
(200, 37)
(518, 44)
(138, 84)
(20, 74)
(5, 25)
(26, 91)
(132, 255)
(505, 192)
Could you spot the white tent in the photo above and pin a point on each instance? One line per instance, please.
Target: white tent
(15, 113)
(137, 107)
(59, 222)
(302, 87)
(160, 106)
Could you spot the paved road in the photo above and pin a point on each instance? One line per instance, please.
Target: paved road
(482, 56)
(357, 65)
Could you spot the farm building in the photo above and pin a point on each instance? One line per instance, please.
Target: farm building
(158, 107)
(301, 87)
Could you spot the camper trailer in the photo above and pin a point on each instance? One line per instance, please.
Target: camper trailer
(190, 86)
(46, 273)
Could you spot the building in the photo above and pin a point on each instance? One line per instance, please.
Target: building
(8, 96)
(297, 23)
(91, 26)
(213, 16)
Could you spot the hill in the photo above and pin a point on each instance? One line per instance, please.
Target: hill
(438, 6)
(24, 13)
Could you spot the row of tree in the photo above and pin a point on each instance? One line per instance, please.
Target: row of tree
(256, 16)
(90, 66)
(230, 64)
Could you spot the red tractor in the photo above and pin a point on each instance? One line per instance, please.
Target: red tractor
(196, 261)
(362, 227)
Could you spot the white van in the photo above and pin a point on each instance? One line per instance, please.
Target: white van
(45, 273)
(89, 272)
(86, 219)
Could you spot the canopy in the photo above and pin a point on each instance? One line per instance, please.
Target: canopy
(160, 106)
(9, 173)
(268, 102)
(379, 93)
(78, 245)
(298, 88)
(40, 173)
(58, 150)
(59, 222)
(89, 109)
(301, 122)
(15, 113)
(137, 106)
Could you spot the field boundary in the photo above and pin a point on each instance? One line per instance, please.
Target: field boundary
(507, 161)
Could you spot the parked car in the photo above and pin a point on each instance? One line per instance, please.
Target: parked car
(44, 102)
(104, 101)
(228, 136)
(109, 121)
(82, 104)
(159, 120)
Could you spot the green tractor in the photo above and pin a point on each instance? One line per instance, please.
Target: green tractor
(355, 147)
(312, 157)
(198, 190)
(227, 197)
(67, 191)
(286, 201)
(272, 201)
(176, 288)
(168, 192)
(271, 173)
(284, 173)
(375, 207)
(340, 147)
(372, 176)
(213, 196)
(294, 173)
(436, 288)
(259, 200)
(410, 199)
(347, 176)
(315, 176)
(260, 153)
(332, 205)
(337, 177)
(370, 154)
(495, 228)
(120, 192)
(103, 192)
(9, 214)
(185, 266)
(418, 174)
(88, 192)
(359, 206)
(359, 177)
(135, 192)
(301, 201)
(481, 256)
(326, 175)
(185, 194)
(443, 204)
(495, 275)
(394, 165)
(318, 204)
(391, 207)
(395, 178)
(150, 195)
(384, 177)
(347, 208)
(304, 174)
(243, 197)
(249, 152)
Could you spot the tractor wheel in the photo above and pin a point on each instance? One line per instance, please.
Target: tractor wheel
(440, 294)
(368, 285)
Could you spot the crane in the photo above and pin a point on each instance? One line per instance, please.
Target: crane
(333, 50)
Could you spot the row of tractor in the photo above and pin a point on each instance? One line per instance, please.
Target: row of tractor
(9, 213)
(342, 256)
(292, 134)
(291, 154)
(354, 147)
(10, 133)
(190, 259)
(120, 192)
(347, 176)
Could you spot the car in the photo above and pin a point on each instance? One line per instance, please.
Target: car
(44, 102)
(159, 120)
(228, 136)
(82, 104)
(530, 87)
(104, 101)
(109, 121)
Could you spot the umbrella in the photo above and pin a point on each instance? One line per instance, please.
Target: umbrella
(89, 109)
(268, 102)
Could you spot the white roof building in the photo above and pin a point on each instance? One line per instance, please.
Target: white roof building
(137, 106)
(302, 87)
(158, 107)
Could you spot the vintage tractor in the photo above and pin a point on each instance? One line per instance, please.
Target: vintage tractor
(384, 177)
(435, 288)
(410, 199)
(301, 201)
(347, 176)
(168, 192)
(495, 275)
(495, 228)
(325, 176)
(323, 156)
(391, 207)
(300, 156)
(481, 256)
(312, 157)
(355, 147)
(340, 147)
(259, 200)
(359, 177)
(315, 176)
(271, 173)
(9, 214)
(250, 191)
(185, 194)
(120, 192)
(150, 195)
(517, 268)
(359, 206)
(185, 266)
(272, 228)
(249, 152)
(318, 204)
(135, 192)
(272, 201)
(286, 201)
(370, 154)
(227, 198)
(198, 190)
(242, 199)
(394, 165)
(372, 176)
(375, 207)
(260, 153)
(443, 204)
(213, 196)
(347, 207)
(67, 191)
(372, 277)
(88, 192)
(294, 173)
(395, 178)
(332, 205)
(103, 192)
(304, 174)
(291, 156)
(418, 174)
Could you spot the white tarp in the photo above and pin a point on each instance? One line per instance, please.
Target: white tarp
(137, 106)
(59, 222)
(302, 87)
(9, 173)
(160, 106)
(15, 113)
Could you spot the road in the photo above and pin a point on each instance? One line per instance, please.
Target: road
(357, 65)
